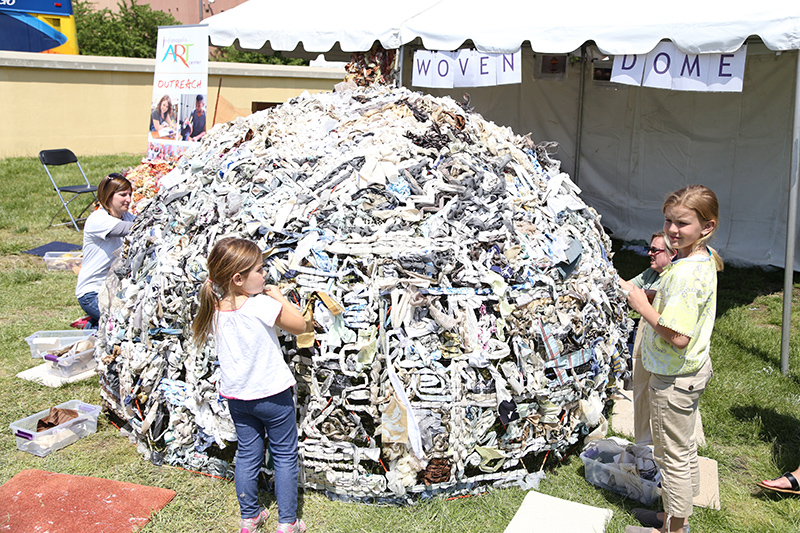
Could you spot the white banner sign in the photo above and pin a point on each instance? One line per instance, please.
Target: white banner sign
(666, 67)
(180, 87)
(465, 68)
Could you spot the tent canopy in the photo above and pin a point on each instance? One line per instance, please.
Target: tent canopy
(312, 26)
(625, 27)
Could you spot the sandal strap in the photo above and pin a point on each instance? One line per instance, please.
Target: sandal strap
(792, 480)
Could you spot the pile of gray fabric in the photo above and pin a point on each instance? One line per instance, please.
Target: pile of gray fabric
(463, 315)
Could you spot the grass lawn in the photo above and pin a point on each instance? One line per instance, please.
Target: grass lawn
(751, 412)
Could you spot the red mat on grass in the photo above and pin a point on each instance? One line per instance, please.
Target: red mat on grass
(35, 500)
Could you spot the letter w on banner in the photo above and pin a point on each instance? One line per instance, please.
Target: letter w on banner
(180, 86)
(465, 68)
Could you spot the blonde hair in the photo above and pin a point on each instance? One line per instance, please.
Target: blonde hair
(109, 186)
(703, 202)
(663, 236)
(230, 256)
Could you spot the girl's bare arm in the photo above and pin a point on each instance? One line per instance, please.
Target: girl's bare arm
(290, 319)
(639, 302)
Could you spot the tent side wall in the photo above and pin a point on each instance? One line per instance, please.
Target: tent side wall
(639, 144)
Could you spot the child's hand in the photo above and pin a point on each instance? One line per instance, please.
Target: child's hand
(290, 319)
(637, 299)
(273, 291)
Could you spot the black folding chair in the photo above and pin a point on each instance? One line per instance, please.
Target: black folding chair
(59, 157)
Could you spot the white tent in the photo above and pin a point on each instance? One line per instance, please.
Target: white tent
(625, 146)
(620, 27)
(309, 28)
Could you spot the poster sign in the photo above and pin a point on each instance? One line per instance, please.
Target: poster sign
(666, 67)
(180, 86)
(465, 68)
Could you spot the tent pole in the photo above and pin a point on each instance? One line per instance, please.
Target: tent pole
(576, 177)
(791, 225)
(400, 58)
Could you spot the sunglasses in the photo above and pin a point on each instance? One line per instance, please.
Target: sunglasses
(652, 250)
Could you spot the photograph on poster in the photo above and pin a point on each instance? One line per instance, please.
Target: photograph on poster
(163, 118)
(192, 117)
(168, 150)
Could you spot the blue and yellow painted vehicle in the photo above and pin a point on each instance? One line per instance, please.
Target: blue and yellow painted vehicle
(38, 26)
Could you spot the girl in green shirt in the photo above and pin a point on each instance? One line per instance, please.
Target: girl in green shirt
(675, 348)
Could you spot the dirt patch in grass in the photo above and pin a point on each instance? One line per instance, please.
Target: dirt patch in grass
(760, 312)
(766, 310)
(8, 262)
(740, 464)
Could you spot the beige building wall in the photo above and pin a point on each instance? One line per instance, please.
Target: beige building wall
(101, 105)
(186, 11)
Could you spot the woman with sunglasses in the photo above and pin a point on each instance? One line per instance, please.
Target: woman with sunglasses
(102, 236)
(661, 254)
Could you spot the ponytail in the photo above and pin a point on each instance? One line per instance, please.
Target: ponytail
(203, 322)
(228, 257)
(717, 259)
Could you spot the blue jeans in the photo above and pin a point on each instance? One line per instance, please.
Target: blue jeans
(273, 418)
(90, 306)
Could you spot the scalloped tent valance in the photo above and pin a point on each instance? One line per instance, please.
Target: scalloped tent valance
(622, 27)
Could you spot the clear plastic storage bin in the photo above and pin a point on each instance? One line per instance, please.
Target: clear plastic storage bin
(602, 470)
(71, 365)
(43, 342)
(62, 260)
(44, 442)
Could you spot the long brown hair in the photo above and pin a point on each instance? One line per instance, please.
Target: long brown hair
(703, 202)
(110, 185)
(169, 109)
(230, 256)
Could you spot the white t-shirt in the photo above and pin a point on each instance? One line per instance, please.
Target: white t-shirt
(250, 357)
(98, 251)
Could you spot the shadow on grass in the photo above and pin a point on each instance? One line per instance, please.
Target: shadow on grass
(774, 495)
(756, 348)
(266, 496)
(741, 286)
(783, 431)
(749, 346)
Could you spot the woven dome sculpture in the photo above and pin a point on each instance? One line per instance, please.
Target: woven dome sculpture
(463, 314)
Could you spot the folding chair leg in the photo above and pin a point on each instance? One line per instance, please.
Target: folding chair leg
(65, 207)
(88, 206)
(72, 220)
